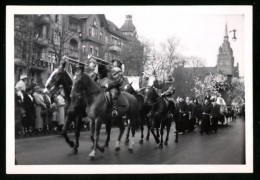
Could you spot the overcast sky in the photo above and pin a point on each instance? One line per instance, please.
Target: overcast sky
(200, 34)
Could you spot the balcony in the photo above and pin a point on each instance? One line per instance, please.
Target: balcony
(114, 47)
(74, 53)
(42, 40)
(93, 39)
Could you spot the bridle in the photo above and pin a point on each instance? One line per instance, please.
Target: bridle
(156, 100)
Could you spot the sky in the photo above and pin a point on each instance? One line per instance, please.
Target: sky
(200, 34)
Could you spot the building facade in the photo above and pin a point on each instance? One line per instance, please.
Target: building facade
(42, 41)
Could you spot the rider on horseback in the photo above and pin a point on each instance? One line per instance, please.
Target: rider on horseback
(168, 91)
(117, 79)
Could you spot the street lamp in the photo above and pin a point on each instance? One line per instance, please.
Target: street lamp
(234, 34)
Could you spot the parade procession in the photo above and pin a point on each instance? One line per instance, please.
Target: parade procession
(103, 87)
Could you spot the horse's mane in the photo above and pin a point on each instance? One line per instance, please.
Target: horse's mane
(88, 84)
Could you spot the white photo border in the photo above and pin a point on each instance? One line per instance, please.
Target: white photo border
(11, 168)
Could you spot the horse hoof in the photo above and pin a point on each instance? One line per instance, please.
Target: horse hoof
(141, 141)
(161, 146)
(117, 149)
(102, 149)
(75, 151)
(157, 141)
(127, 141)
(92, 157)
(176, 141)
(106, 145)
(130, 150)
(71, 143)
(147, 138)
(166, 143)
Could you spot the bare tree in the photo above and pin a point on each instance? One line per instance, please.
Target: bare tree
(61, 35)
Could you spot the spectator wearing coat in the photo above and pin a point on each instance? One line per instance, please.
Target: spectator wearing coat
(215, 114)
(29, 111)
(39, 107)
(60, 102)
(183, 113)
(47, 113)
(206, 113)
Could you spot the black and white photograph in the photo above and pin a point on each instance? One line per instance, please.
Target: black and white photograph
(129, 89)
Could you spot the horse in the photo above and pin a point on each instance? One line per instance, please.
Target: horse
(61, 77)
(87, 92)
(159, 115)
(143, 111)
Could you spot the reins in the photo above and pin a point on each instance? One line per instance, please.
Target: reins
(157, 100)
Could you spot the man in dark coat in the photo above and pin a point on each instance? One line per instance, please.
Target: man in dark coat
(215, 113)
(28, 104)
(182, 109)
(206, 112)
(188, 118)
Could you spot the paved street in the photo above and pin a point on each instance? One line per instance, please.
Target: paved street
(224, 147)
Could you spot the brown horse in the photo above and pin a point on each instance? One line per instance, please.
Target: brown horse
(61, 77)
(87, 92)
(159, 115)
(143, 111)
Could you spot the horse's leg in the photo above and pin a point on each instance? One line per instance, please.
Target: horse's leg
(168, 128)
(127, 134)
(161, 131)
(96, 138)
(108, 131)
(176, 131)
(77, 133)
(152, 131)
(92, 132)
(65, 128)
(142, 130)
(131, 144)
(148, 132)
(121, 132)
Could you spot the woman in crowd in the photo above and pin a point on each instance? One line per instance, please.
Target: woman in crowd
(39, 106)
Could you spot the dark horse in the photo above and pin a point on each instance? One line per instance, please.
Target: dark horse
(159, 115)
(85, 91)
(143, 111)
(61, 77)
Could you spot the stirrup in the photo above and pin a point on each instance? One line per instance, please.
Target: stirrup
(114, 113)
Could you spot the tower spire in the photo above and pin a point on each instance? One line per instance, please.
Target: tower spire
(226, 32)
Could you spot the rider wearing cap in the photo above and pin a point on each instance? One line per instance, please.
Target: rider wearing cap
(167, 89)
(117, 79)
(98, 69)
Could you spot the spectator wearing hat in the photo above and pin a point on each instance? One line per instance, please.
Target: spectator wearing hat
(206, 113)
(215, 113)
(21, 86)
(39, 107)
(29, 120)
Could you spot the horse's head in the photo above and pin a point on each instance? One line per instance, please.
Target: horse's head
(150, 95)
(83, 88)
(59, 77)
(129, 88)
